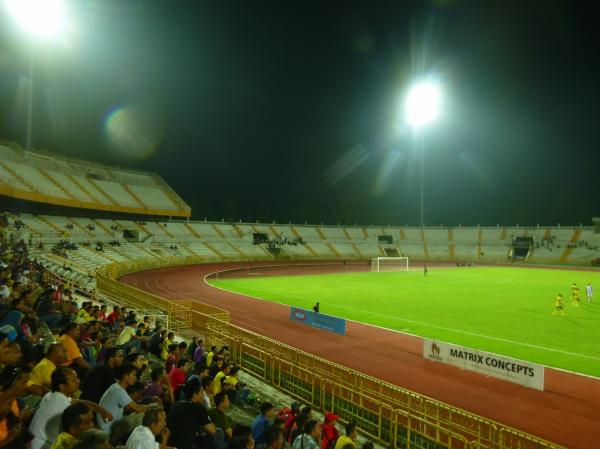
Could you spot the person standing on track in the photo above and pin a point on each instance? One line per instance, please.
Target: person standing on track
(589, 292)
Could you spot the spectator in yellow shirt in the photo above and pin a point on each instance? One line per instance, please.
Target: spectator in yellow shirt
(239, 391)
(350, 437)
(218, 385)
(165, 345)
(42, 372)
(75, 419)
(210, 355)
(69, 339)
(83, 315)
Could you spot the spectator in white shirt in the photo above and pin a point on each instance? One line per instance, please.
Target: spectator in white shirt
(4, 290)
(116, 398)
(207, 391)
(128, 338)
(45, 425)
(153, 424)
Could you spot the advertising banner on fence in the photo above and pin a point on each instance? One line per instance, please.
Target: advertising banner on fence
(493, 365)
(318, 320)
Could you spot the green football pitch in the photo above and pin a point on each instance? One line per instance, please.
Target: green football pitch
(506, 311)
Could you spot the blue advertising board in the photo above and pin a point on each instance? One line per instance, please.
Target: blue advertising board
(318, 320)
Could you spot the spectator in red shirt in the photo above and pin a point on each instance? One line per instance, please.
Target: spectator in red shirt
(178, 375)
(114, 316)
(172, 358)
(291, 417)
(102, 314)
(329, 433)
(58, 294)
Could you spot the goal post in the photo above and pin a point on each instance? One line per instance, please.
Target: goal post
(380, 264)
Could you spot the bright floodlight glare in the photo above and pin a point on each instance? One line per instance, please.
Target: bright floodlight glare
(43, 18)
(422, 103)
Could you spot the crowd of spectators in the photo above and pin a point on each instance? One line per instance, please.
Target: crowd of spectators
(61, 247)
(80, 374)
(583, 244)
(547, 242)
(280, 240)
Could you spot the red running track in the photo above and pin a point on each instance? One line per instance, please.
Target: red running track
(567, 412)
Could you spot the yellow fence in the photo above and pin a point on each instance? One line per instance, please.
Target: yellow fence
(180, 312)
(386, 413)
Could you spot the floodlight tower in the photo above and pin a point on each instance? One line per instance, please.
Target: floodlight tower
(421, 108)
(40, 19)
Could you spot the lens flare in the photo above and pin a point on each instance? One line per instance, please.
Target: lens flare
(135, 131)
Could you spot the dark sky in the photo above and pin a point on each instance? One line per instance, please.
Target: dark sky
(290, 110)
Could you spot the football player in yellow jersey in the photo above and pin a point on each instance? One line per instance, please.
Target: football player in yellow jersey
(575, 294)
(558, 306)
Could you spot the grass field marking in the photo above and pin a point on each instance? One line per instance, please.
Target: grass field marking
(472, 334)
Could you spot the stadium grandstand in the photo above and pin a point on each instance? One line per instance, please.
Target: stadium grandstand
(73, 183)
(88, 254)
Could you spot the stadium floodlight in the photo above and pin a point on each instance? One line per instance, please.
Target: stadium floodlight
(39, 19)
(422, 107)
(422, 103)
(43, 18)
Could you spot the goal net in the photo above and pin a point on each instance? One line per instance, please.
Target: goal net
(379, 264)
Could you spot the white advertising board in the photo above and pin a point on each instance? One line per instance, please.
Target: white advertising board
(493, 365)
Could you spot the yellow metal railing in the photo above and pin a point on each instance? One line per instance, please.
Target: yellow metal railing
(180, 313)
(387, 413)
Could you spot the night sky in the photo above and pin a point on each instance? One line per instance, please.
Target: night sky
(292, 111)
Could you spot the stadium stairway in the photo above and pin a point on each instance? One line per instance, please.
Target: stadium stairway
(56, 184)
(101, 225)
(103, 192)
(214, 250)
(568, 250)
(79, 184)
(81, 228)
(17, 176)
(134, 196)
